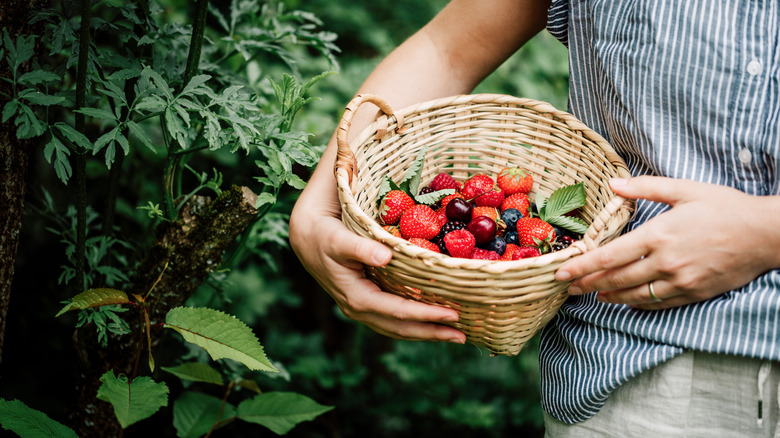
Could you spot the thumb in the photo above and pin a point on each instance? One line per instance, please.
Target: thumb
(348, 246)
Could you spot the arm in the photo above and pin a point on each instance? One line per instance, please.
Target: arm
(714, 239)
(450, 55)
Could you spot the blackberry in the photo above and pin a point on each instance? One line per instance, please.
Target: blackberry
(447, 228)
(562, 242)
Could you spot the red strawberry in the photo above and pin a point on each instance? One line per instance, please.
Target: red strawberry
(392, 229)
(519, 201)
(493, 198)
(444, 181)
(420, 221)
(525, 252)
(483, 254)
(484, 211)
(393, 205)
(532, 231)
(427, 244)
(477, 185)
(511, 248)
(459, 243)
(442, 215)
(515, 180)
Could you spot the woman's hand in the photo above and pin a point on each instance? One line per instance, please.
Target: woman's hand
(713, 239)
(334, 256)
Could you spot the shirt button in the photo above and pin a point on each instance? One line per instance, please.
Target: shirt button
(744, 156)
(754, 67)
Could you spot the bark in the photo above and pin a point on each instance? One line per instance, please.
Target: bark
(14, 158)
(184, 253)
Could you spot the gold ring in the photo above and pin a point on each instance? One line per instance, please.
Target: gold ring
(652, 293)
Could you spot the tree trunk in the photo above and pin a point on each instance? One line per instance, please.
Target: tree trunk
(184, 253)
(14, 157)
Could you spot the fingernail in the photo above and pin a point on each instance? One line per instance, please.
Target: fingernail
(451, 318)
(457, 341)
(574, 290)
(618, 182)
(381, 256)
(562, 275)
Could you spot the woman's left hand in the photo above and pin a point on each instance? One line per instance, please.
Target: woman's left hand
(713, 239)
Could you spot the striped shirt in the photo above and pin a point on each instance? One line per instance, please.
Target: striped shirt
(684, 89)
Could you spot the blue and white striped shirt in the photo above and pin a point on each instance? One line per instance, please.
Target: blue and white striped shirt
(684, 89)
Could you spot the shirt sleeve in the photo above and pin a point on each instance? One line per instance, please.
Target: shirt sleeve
(558, 21)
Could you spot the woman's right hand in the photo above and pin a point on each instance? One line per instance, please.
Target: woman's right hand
(334, 256)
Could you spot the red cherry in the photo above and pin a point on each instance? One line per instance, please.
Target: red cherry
(459, 210)
(483, 228)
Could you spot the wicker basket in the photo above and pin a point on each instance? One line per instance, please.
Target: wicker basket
(502, 304)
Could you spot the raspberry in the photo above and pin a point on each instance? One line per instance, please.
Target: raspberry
(459, 243)
(525, 252)
(483, 254)
(444, 181)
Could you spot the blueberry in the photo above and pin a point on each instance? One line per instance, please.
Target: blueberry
(511, 237)
(510, 217)
(498, 245)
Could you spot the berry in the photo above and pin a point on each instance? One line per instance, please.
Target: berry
(458, 209)
(562, 242)
(532, 231)
(420, 221)
(514, 180)
(444, 181)
(427, 244)
(477, 185)
(492, 198)
(525, 252)
(393, 205)
(392, 229)
(459, 243)
(483, 254)
(498, 244)
(490, 212)
(446, 200)
(510, 217)
(448, 227)
(511, 237)
(510, 249)
(519, 201)
(427, 189)
(483, 228)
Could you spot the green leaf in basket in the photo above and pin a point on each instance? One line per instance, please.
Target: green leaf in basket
(385, 188)
(560, 202)
(411, 181)
(433, 197)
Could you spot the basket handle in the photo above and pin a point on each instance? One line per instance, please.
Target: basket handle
(345, 158)
(608, 223)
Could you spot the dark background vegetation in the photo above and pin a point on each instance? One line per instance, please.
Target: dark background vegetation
(379, 387)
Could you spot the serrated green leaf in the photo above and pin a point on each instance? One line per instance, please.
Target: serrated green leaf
(76, 137)
(37, 98)
(95, 298)
(433, 197)
(197, 372)
(411, 180)
(280, 411)
(563, 200)
(221, 335)
(140, 134)
(194, 83)
(194, 414)
(386, 187)
(97, 113)
(27, 422)
(295, 181)
(10, 109)
(38, 77)
(133, 400)
(264, 198)
(105, 139)
(570, 223)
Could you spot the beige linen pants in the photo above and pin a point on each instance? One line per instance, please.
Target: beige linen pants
(693, 395)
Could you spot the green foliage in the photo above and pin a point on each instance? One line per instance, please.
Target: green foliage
(221, 335)
(280, 411)
(196, 413)
(133, 400)
(196, 372)
(26, 422)
(95, 298)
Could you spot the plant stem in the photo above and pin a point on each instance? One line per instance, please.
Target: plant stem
(221, 409)
(81, 159)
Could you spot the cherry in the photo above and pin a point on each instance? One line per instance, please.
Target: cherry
(483, 228)
(459, 209)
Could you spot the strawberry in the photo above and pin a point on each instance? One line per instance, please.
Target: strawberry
(492, 198)
(525, 252)
(392, 229)
(532, 231)
(514, 180)
(485, 211)
(427, 244)
(477, 185)
(511, 248)
(459, 243)
(444, 181)
(483, 254)
(420, 221)
(393, 205)
(519, 201)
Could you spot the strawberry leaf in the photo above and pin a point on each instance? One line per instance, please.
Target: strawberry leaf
(411, 181)
(385, 188)
(433, 197)
(562, 201)
(570, 223)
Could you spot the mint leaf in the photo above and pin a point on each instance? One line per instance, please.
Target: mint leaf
(562, 201)
(433, 197)
(570, 223)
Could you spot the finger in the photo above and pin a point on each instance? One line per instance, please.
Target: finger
(368, 299)
(658, 189)
(347, 248)
(626, 276)
(641, 296)
(621, 251)
(417, 331)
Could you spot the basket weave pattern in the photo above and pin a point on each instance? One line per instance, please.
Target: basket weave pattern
(502, 304)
